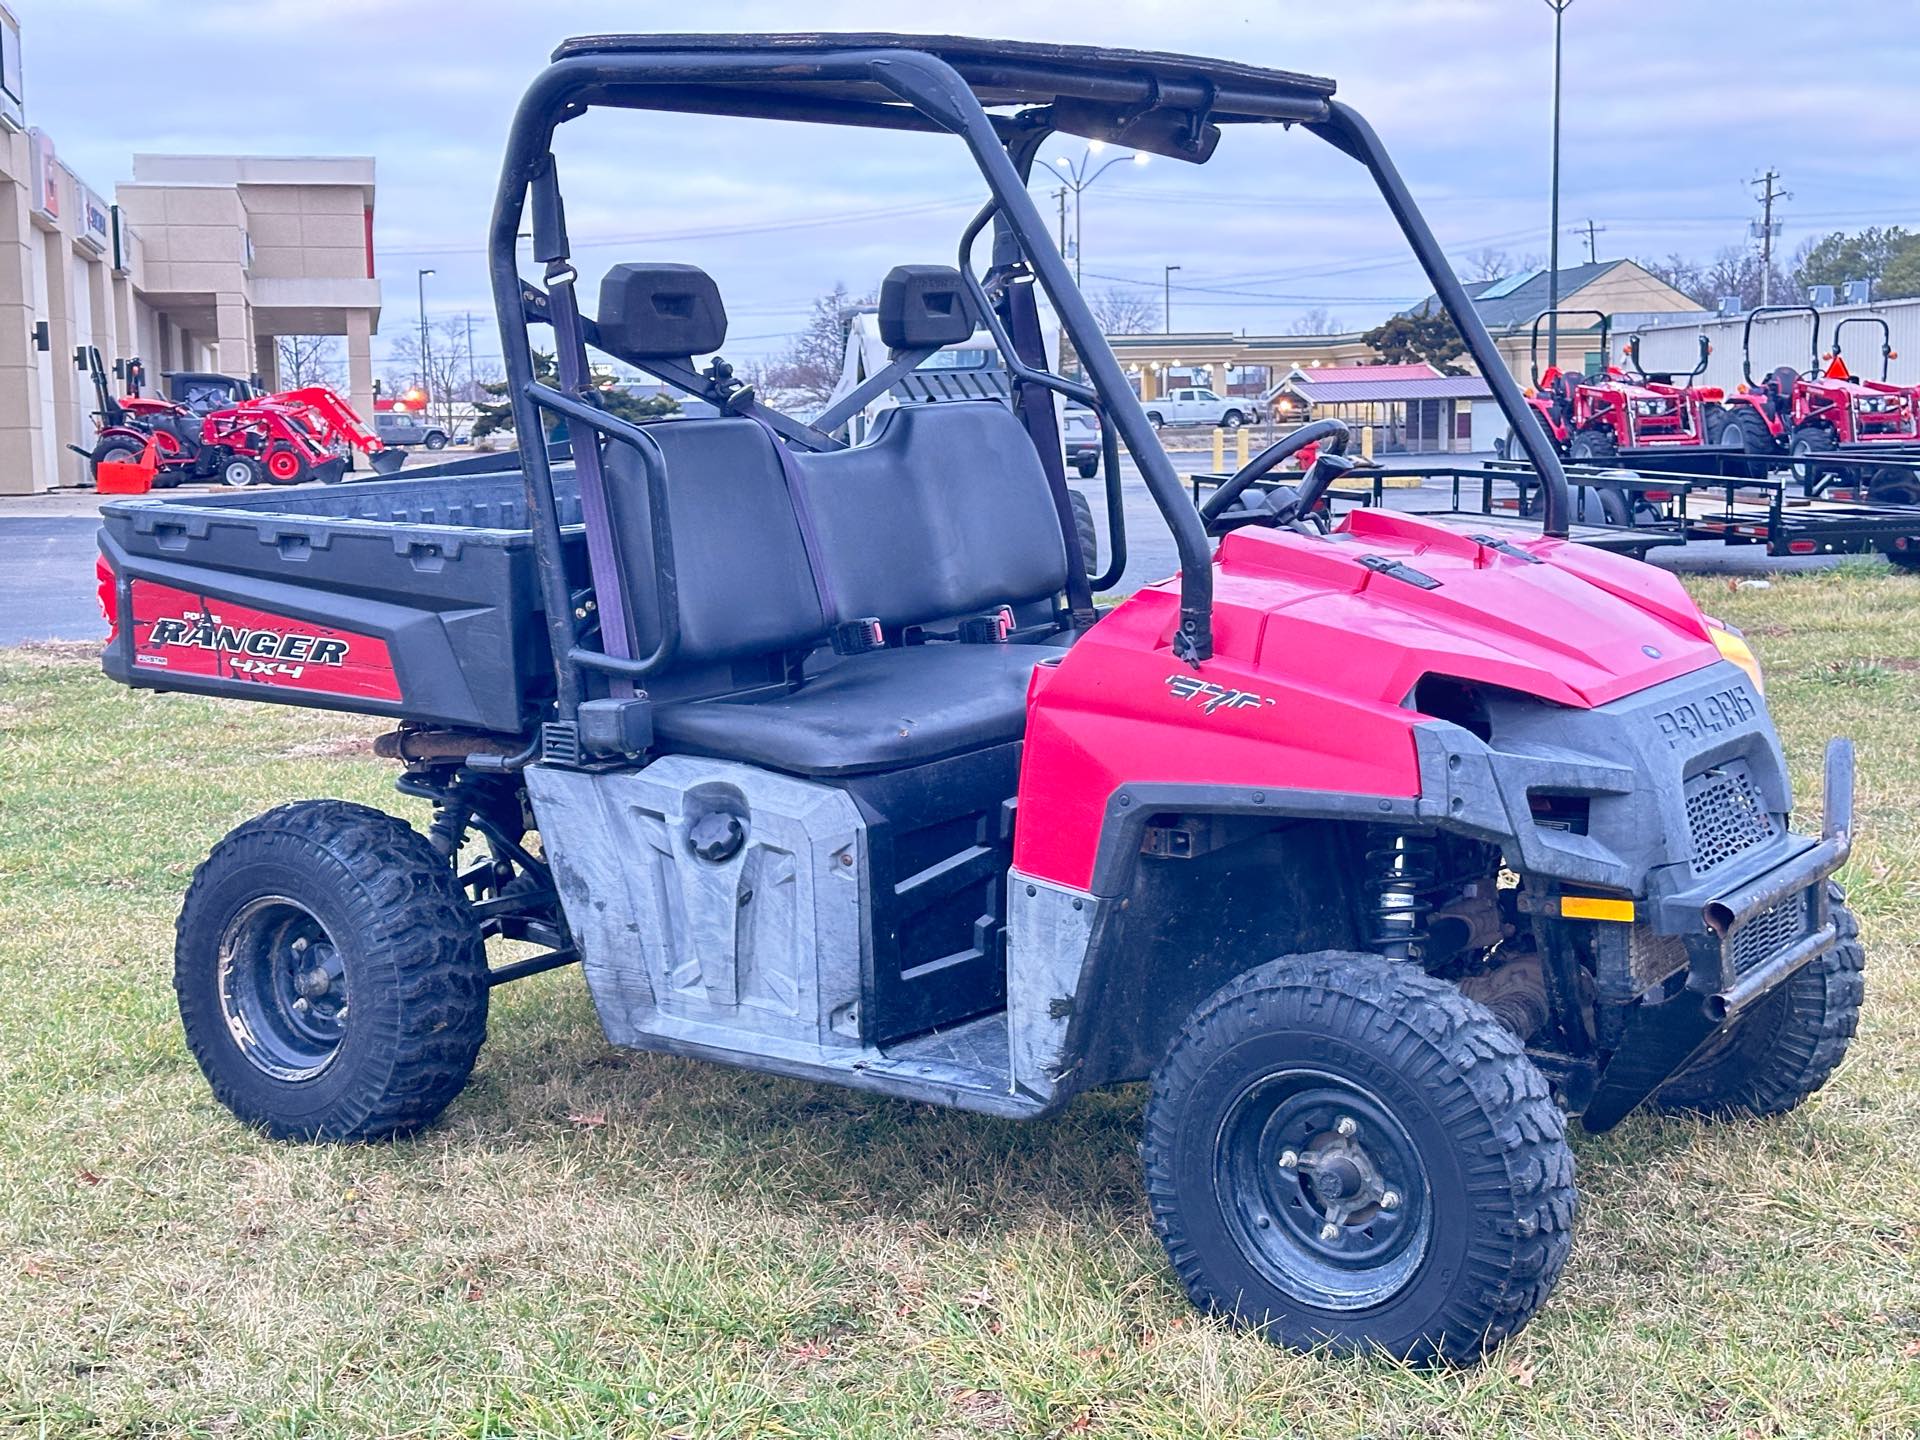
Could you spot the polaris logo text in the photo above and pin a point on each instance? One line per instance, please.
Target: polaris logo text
(262, 650)
(1711, 715)
(1213, 697)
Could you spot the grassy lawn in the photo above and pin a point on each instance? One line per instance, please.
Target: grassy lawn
(600, 1243)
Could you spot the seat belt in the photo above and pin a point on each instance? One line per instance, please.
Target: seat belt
(849, 637)
(1036, 411)
(603, 558)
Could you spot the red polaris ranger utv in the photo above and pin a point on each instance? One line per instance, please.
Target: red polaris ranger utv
(1374, 848)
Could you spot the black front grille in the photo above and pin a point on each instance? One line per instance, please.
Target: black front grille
(1726, 815)
(1768, 933)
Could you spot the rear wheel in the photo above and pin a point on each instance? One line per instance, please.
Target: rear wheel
(1790, 1044)
(1155, 419)
(331, 979)
(1713, 421)
(1902, 551)
(1089, 536)
(1748, 428)
(285, 465)
(1341, 1150)
(1088, 466)
(436, 440)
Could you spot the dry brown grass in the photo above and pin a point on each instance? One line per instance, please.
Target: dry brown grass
(597, 1243)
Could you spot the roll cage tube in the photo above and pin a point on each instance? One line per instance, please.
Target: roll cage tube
(692, 79)
(1746, 337)
(1640, 372)
(1347, 132)
(1886, 339)
(1533, 345)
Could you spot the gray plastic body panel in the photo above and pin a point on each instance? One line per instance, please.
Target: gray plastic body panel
(753, 959)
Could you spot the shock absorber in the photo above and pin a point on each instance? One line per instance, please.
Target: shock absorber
(1400, 876)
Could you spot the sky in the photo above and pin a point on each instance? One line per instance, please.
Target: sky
(1672, 108)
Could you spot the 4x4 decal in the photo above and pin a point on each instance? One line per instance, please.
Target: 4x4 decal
(1214, 697)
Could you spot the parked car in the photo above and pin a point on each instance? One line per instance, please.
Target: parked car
(409, 427)
(1196, 405)
(1081, 431)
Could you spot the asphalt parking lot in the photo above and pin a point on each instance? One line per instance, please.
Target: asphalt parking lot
(48, 549)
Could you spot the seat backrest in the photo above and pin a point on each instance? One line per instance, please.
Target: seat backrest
(944, 511)
(740, 563)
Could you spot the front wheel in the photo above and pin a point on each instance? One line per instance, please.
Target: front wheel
(1232, 420)
(1087, 466)
(1791, 1042)
(238, 471)
(1341, 1150)
(331, 978)
(1807, 441)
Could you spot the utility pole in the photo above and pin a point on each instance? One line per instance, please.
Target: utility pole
(1166, 304)
(1559, 8)
(426, 369)
(1767, 229)
(1593, 232)
(470, 390)
(1061, 196)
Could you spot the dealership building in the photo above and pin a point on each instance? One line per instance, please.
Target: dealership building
(199, 262)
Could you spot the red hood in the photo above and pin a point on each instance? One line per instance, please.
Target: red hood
(1582, 627)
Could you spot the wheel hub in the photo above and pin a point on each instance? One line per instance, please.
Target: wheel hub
(1324, 1189)
(283, 989)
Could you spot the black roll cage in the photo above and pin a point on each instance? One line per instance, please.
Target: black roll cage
(1171, 105)
(1746, 338)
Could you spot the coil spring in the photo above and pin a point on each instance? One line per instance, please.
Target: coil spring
(1400, 875)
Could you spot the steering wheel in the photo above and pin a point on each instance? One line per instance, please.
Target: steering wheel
(1284, 503)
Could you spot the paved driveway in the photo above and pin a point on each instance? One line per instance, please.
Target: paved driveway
(47, 587)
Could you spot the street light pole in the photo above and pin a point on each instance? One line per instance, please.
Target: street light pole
(1166, 302)
(1077, 178)
(420, 279)
(1553, 233)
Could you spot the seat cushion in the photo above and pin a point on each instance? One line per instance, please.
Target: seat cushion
(877, 711)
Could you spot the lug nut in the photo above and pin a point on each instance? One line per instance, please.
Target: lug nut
(301, 1005)
(300, 946)
(1329, 1231)
(1289, 1159)
(1345, 1126)
(1390, 1200)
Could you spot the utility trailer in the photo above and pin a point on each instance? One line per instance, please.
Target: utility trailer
(1376, 849)
(1633, 513)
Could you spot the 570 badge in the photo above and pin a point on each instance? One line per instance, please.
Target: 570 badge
(1214, 697)
(187, 634)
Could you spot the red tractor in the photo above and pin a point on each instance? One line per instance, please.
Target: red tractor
(1806, 412)
(216, 427)
(1598, 418)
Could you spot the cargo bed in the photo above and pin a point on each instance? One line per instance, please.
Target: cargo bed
(412, 597)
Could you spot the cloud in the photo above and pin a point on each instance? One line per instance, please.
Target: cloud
(1660, 137)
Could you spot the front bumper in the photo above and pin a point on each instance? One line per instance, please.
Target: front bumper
(1741, 946)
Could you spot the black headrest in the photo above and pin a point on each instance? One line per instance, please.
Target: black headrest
(660, 312)
(923, 307)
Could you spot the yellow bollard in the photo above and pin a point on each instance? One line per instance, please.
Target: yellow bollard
(1366, 441)
(1219, 449)
(1240, 448)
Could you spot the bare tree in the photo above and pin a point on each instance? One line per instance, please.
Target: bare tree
(1122, 310)
(448, 379)
(807, 371)
(309, 360)
(1491, 263)
(1319, 321)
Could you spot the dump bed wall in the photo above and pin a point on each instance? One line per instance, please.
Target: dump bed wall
(416, 598)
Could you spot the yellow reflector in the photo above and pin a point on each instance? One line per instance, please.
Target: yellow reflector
(1735, 648)
(1596, 907)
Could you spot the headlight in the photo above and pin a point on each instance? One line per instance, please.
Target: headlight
(1733, 646)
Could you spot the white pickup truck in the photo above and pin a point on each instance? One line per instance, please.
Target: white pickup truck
(1196, 405)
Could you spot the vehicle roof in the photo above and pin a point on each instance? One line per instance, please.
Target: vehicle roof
(1012, 72)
